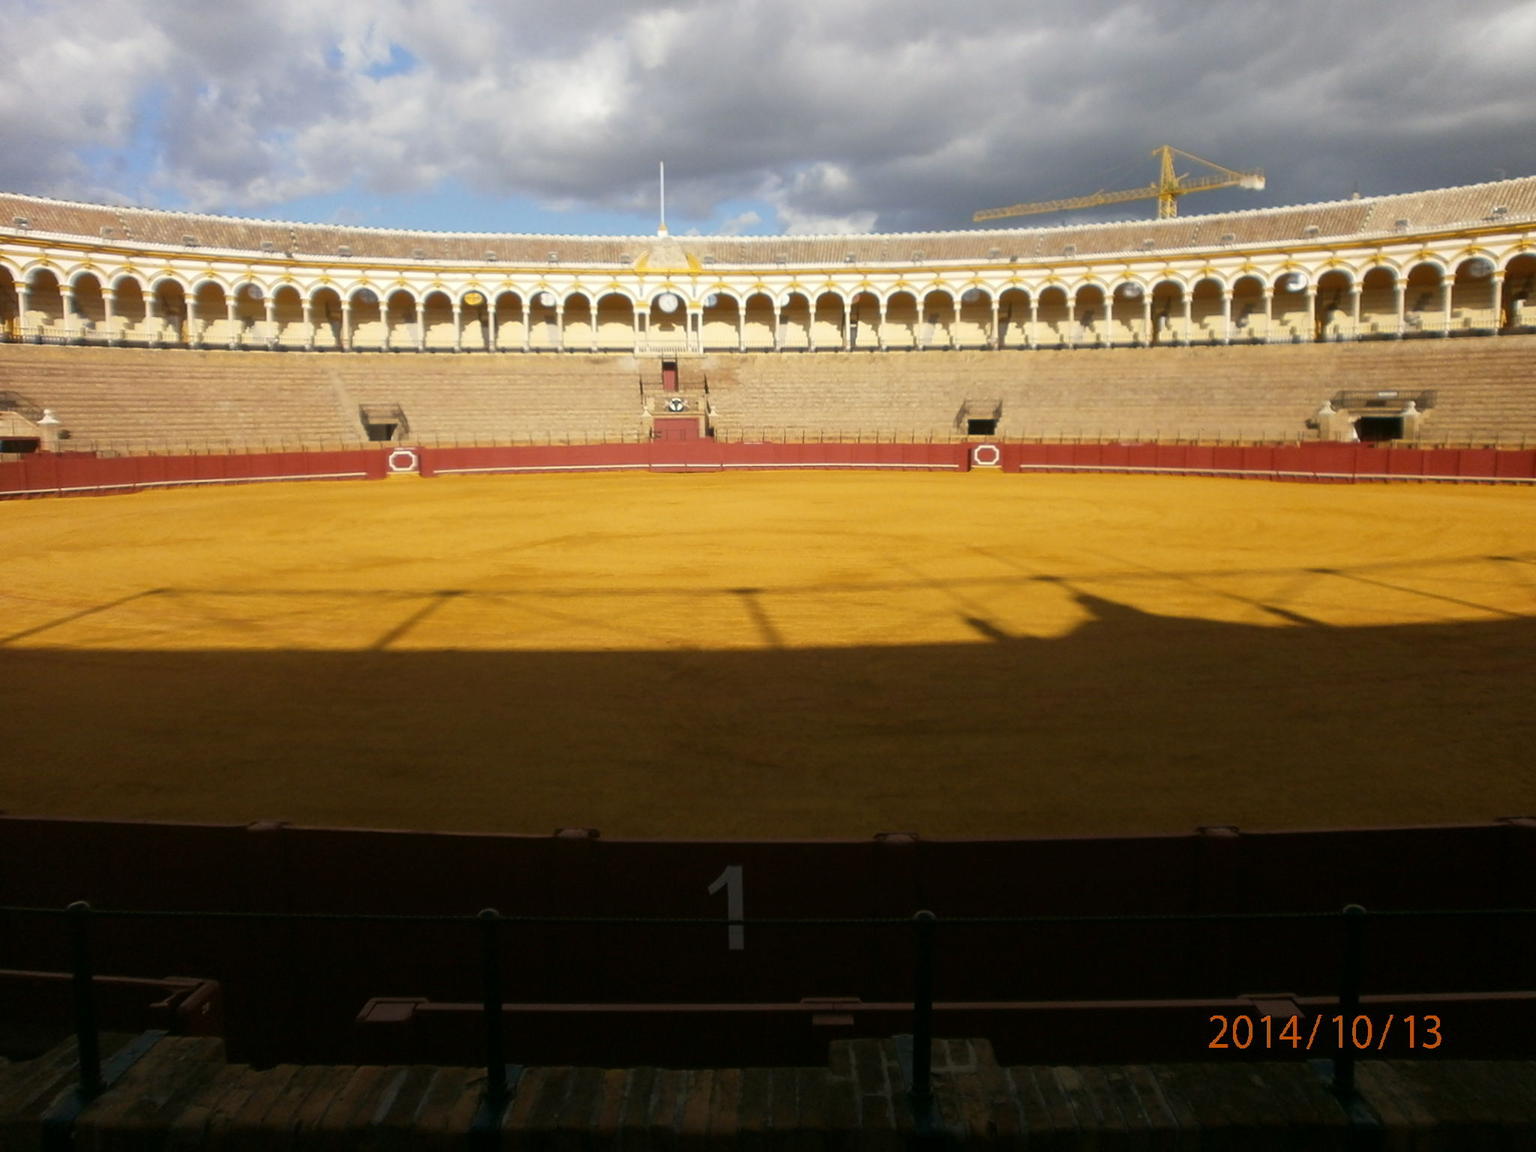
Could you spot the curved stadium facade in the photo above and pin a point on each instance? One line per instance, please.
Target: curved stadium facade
(1376, 274)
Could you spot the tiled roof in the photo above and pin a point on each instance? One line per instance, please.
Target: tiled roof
(1308, 223)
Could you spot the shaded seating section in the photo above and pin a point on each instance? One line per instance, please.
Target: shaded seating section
(1485, 389)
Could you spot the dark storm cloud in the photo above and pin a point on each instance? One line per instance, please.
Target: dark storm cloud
(893, 115)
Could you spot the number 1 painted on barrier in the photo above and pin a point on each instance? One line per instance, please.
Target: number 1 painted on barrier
(735, 906)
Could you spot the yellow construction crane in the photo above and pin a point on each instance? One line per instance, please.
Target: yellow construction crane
(1167, 189)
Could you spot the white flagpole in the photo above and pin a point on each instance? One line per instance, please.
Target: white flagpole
(662, 166)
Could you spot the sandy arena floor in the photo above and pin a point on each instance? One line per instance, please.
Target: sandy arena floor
(754, 655)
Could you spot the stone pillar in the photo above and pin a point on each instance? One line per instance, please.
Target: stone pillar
(490, 324)
(560, 326)
(68, 321)
(1226, 314)
(1071, 321)
(155, 320)
(995, 337)
(1496, 286)
(1445, 291)
(1400, 294)
(1034, 318)
(269, 307)
(528, 323)
(881, 330)
(1189, 319)
(346, 324)
(23, 303)
(1146, 319)
(109, 312)
(309, 324)
(1269, 314)
(847, 324)
(1311, 313)
(233, 320)
(1354, 312)
(741, 326)
(458, 327)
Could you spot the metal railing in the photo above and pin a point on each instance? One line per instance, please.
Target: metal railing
(925, 925)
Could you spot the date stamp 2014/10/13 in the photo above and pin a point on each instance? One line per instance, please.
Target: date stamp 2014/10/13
(1338, 1033)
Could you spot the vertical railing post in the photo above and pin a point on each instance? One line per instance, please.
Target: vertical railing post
(1349, 1000)
(923, 924)
(495, 1050)
(87, 1040)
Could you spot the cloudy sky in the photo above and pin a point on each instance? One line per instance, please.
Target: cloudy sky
(772, 115)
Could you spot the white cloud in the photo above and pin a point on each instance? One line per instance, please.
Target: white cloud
(846, 116)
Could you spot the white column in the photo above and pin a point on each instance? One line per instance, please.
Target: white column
(1445, 289)
(1226, 313)
(23, 303)
(68, 321)
(1189, 319)
(1071, 321)
(1400, 291)
(109, 312)
(880, 332)
(490, 323)
(269, 306)
(458, 327)
(156, 321)
(1311, 314)
(1496, 285)
(1269, 314)
(1146, 319)
(309, 324)
(229, 308)
(528, 322)
(1354, 312)
(995, 337)
(1034, 318)
(847, 324)
(741, 326)
(346, 324)
(560, 326)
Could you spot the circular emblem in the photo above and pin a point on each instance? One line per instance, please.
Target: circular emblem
(474, 299)
(986, 455)
(668, 302)
(677, 404)
(403, 460)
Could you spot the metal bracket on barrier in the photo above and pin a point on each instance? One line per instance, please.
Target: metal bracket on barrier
(58, 1121)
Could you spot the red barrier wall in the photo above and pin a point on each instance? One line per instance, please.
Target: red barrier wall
(70, 474)
(73, 474)
(1326, 462)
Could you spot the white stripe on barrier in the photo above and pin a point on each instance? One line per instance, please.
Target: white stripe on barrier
(676, 464)
(177, 483)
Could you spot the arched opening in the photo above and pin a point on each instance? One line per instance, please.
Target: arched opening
(10, 317)
(1090, 321)
(474, 322)
(1208, 312)
(288, 318)
(1335, 306)
(760, 315)
(1249, 317)
(720, 326)
(1051, 319)
(325, 316)
(1519, 293)
(1013, 329)
(864, 321)
(1292, 310)
(511, 321)
(827, 324)
(794, 322)
(1126, 314)
(1424, 301)
(251, 328)
(401, 321)
(367, 320)
(900, 327)
(1474, 298)
(578, 324)
(169, 299)
(437, 322)
(44, 319)
(1378, 304)
(90, 308)
(667, 322)
(543, 321)
(616, 322)
(1167, 313)
(130, 312)
(208, 325)
(938, 323)
(973, 324)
